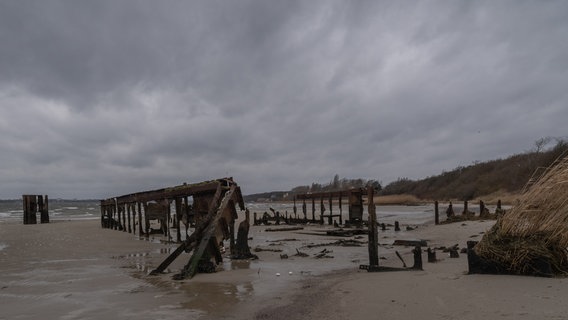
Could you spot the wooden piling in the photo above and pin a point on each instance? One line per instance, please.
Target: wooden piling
(340, 210)
(178, 206)
(436, 213)
(140, 230)
(129, 216)
(322, 210)
(330, 218)
(373, 234)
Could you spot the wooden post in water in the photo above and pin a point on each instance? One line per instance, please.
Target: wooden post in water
(294, 205)
(304, 211)
(436, 213)
(465, 209)
(373, 234)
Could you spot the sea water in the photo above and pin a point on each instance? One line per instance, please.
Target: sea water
(58, 210)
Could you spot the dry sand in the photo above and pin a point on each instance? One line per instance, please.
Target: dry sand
(76, 270)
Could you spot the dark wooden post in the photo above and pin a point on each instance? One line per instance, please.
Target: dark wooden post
(124, 223)
(46, 208)
(26, 207)
(133, 209)
(242, 249)
(431, 255)
(373, 235)
(146, 219)
(322, 209)
(340, 210)
(465, 209)
(396, 226)
(140, 230)
(304, 211)
(129, 216)
(43, 204)
(178, 205)
(499, 204)
(294, 205)
(169, 212)
(330, 220)
(119, 218)
(450, 211)
(40, 207)
(417, 258)
(436, 213)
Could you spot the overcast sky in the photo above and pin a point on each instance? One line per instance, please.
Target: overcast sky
(103, 98)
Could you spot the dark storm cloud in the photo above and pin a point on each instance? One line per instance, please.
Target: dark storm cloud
(107, 97)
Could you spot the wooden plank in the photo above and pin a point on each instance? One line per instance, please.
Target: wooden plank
(209, 231)
(373, 234)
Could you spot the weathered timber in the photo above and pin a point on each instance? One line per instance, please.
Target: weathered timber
(283, 229)
(212, 212)
(373, 234)
(432, 255)
(242, 249)
(396, 226)
(400, 257)
(410, 243)
(417, 258)
(355, 199)
(34, 204)
(436, 213)
(191, 241)
(208, 240)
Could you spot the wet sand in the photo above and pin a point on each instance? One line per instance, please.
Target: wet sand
(77, 270)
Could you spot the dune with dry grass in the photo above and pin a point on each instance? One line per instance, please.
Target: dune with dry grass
(532, 237)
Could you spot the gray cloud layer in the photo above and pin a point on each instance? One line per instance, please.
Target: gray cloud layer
(100, 98)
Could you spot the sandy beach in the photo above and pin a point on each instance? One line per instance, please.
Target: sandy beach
(77, 270)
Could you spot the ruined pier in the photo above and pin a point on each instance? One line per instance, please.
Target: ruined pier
(209, 207)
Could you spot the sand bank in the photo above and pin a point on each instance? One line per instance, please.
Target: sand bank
(77, 270)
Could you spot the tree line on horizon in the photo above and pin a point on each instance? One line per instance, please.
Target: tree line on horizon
(463, 183)
(483, 178)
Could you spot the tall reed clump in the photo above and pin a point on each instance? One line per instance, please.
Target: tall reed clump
(535, 231)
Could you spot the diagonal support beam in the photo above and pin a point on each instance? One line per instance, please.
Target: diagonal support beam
(204, 242)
